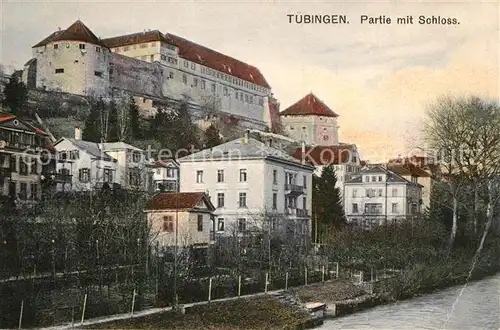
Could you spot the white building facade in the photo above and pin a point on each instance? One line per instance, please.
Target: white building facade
(249, 182)
(150, 65)
(378, 196)
(166, 175)
(89, 165)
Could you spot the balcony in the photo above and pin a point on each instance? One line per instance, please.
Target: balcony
(294, 189)
(296, 212)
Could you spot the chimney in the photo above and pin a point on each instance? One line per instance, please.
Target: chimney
(78, 133)
(303, 143)
(245, 137)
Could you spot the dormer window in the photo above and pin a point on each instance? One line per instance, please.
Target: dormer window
(98, 49)
(56, 46)
(82, 46)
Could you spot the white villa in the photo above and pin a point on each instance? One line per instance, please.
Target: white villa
(249, 181)
(379, 196)
(166, 175)
(89, 165)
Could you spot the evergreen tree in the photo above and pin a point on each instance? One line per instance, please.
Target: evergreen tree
(134, 119)
(328, 209)
(112, 126)
(15, 96)
(212, 136)
(92, 130)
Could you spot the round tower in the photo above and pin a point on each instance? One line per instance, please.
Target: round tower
(73, 61)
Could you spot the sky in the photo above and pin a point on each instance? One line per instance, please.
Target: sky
(380, 78)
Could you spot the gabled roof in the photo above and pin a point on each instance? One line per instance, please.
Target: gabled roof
(109, 146)
(178, 201)
(308, 106)
(194, 53)
(75, 32)
(4, 116)
(7, 117)
(166, 163)
(239, 150)
(326, 155)
(92, 148)
(392, 177)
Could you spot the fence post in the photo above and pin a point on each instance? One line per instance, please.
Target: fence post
(286, 281)
(239, 285)
(21, 314)
(323, 274)
(133, 303)
(265, 287)
(371, 274)
(84, 306)
(337, 270)
(305, 276)
(209, 289)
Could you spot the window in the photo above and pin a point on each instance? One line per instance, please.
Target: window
(153, 44)
(84, 175)
(171, 75)
(380, 192)
(158, 171)
(34, 191)
(163, 57)
(34, 167)
(261, 101)
(220, 176)
(243, 175)
(354, 193)
(193, 66)
(275, 177)
(23, 191)
(225, 91)
(243, 200)
(213, 88)
(242, 224)
(98, 73)
(60, 70)
(168, 223)
(199, 176)
(374, 178)
(170, 172)
(186, 64)
(126, 48)
(98, 49)
(355, 208)
(108, 175)
(394, 207)
(304, 203)
(82, 46)
(220, 224)
(202, 84)
(184, 79)
(200, 222)
(56, 46)
(380, 178)
(371, 208)
(220, 200)
(195, 82)
(275, 201)
(23, 167)
(143, 46)
(136, 157)
(236, 95)
(325, 137)
(134, 177)
(246, 98)
(151, 58)
(394, 192)
(304, 181)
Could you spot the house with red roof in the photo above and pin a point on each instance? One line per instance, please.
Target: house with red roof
(155, 67)
(312, 121)
(182, 219)
(26, 158)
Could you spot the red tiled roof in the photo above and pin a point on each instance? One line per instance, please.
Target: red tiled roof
(326, 155)
(6, 116)
(309, 105)
(408, 169)
(177, 201)
(194, 53)
(76, 32)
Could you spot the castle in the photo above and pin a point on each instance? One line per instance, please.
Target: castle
(155, 68)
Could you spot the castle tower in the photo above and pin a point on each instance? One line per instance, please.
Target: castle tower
(73, 61)
(310, 120)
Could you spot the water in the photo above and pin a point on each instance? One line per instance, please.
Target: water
(477, 308)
